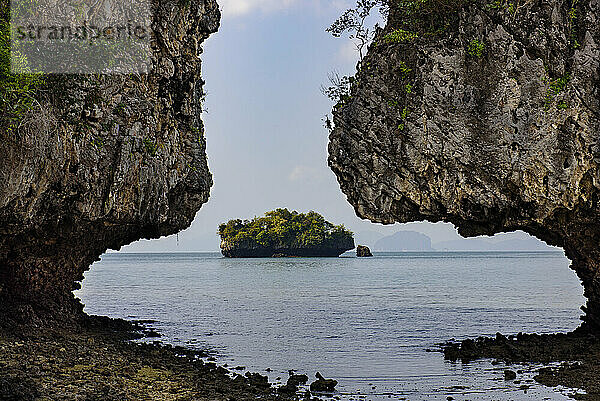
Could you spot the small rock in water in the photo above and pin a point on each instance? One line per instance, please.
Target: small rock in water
(509, 375)
(363, 251)
(296, 380)
(293, 382)
(323, 385)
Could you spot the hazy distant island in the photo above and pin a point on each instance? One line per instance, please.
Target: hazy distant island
(413, 241)
(404, 241)
(281, 233)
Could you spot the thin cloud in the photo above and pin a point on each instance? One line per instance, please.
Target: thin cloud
(239, 8)
(348, 52)
(236, 8)
(304, 173)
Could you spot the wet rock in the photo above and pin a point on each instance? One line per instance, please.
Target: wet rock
(322, 385)
(102, 364)
(151, 334)
(294, 380)
(258, 380)
(526, 348)
(287, 390)
(17, 390)
(363, 251)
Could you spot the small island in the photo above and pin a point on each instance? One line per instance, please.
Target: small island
(281, 233)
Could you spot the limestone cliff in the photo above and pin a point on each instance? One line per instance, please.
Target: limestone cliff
(284, 233)
(250, 249)
(483, 114)
(102, 161)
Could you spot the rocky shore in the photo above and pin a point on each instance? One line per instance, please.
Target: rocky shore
(577, 352)
(97, 362)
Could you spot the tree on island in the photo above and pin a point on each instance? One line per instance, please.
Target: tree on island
(282, 230)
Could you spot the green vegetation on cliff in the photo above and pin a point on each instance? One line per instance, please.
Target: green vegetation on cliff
(16, 90)
(282, 228)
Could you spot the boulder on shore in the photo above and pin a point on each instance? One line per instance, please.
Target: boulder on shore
(323, 385)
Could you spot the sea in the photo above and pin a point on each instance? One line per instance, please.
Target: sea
(373, 324)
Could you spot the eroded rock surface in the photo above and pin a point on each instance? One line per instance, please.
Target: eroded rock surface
(103, 161)
(486, 116)
(250, 249)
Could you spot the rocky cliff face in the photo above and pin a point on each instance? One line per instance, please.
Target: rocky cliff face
(250, 249)
(483, 114)
(100, 162)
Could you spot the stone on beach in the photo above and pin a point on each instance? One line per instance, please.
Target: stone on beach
(322, 385)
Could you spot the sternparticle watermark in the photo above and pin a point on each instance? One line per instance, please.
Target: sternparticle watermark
(83, 32)
(80, 36)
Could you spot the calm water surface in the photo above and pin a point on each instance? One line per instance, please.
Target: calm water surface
(365, 322)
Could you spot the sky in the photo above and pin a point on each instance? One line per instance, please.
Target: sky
(266, 143)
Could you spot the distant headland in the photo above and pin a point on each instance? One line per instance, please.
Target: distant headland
(281, 233)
